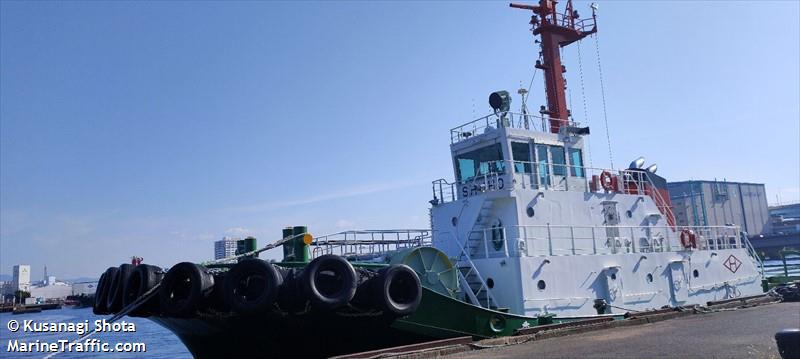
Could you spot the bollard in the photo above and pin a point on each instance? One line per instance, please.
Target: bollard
(299, 247)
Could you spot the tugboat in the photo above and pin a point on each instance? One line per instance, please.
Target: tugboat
(525, 235)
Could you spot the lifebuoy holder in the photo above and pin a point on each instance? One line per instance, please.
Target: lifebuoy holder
(606, 181)
(688, 239)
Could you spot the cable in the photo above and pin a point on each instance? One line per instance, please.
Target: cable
(603, 96)
(585, 106)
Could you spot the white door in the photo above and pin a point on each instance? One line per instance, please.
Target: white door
(614, 285)
(678, 282)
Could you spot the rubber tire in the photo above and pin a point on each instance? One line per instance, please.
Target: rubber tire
(143, 278)
(193, 298)
(317, 295)
(389, 281)
(101, 292)
(250, 268)
(114, 300)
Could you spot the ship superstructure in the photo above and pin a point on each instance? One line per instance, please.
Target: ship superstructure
(534, 230)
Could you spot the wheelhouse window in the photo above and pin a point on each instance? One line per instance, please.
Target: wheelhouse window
(543, 163)
(559, 160)
(521, 154)
(576, 161)
(480, 162)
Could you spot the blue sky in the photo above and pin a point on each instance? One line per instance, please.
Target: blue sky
(154, 128)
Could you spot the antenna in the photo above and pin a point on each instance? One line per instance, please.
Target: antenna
(473, 107)
(524, 108)
(556, 30)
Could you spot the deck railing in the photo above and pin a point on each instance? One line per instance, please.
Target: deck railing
(365, 244)
(503, 119)
(548, 240)
(546, 176)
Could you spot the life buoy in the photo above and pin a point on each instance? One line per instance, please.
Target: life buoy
(606, 181)
(688, 239)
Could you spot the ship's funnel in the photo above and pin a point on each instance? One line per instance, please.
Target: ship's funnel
(637, 163)
(652, 168)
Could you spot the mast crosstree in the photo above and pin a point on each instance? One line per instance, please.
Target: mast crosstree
(556, 30)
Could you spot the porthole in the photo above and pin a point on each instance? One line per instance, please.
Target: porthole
(613, 276)
(695, 273)
(529, 211)
(629, 214)
(541, 285)
(454, 221)
(649, 278)
(490, 283)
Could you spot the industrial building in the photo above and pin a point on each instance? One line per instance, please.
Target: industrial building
(785, 219)
(47, 289)
(719, 203)
(22, 277)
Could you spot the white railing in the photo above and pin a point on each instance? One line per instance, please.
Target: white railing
(363, 244)
(548, 176)
(547, 240)
(502, 119)
(444, 191)
(464, 257)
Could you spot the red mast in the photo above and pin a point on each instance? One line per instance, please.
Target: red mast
(556, 30)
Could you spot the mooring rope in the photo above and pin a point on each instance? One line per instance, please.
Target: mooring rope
(153, 291)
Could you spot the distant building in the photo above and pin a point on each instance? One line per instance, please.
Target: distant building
(715, 203)
(785, 219)
(226, 247)
(22, 277)
(51, 289)
(6, 288)
(84, 288)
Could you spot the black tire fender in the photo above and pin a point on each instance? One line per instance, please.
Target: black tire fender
(398, 290)
(143, 278)
(329, 282)
(185, 289)
(251, 286)
(117, 284)
(101, 292)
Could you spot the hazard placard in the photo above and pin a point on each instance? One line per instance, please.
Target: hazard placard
(732, 263)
